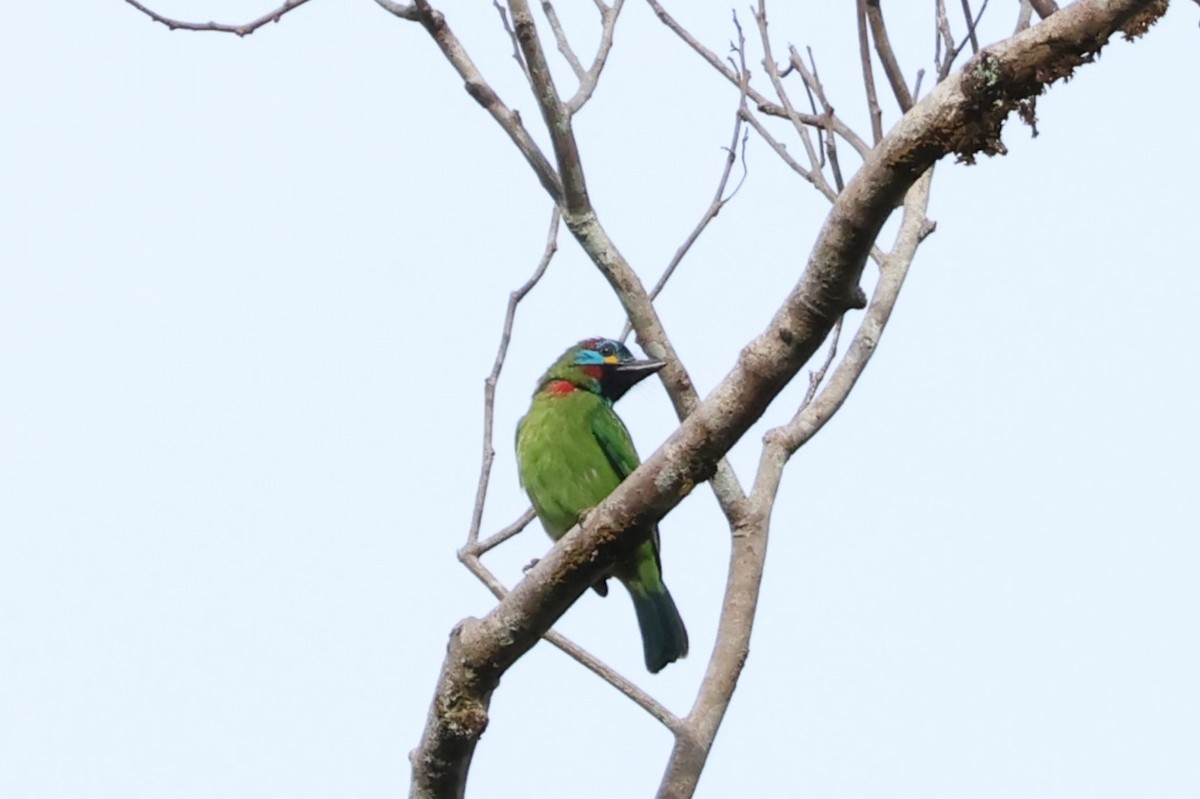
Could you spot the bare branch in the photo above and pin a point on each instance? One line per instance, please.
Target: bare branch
(868, 71)
(781, 150)
(815, 412)
(971, 25)
(407, 11)
(971, 21)
(581, 655)
(887, 57)
(1024, 16)
(589, 79)
(489, 385)
(815, 377)
(1044, 8)
(812, 82)
(555, 115)
(944, 41)
(719, 201)
(238, 30)
(763, 104)
(478, 548)
(816, 177)
(560, 37)
(614, 678)
(512, 36)
(750, 542)
(435, 24)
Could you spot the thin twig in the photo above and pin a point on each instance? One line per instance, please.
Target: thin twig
(589, 79)
(512, 35)
(239, 30)
(762, 103)
(434, 22)
(489, 385)
(887, 56)
(1024, 16)
(496, 539)
(945, 40)
(967, 17)
(812, 80)
(594, 664)
(971, 25)
(719, 201)
(781, 150)
(816, 376)
(868, 72)
(760, 17)
(560, 37)
(614, 678)
(816, 411)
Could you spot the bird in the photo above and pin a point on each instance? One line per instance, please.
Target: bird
(572, 452)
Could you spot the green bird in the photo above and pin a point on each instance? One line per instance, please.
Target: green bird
(573, 450)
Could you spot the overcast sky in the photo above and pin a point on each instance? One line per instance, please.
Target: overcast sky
(249, 291)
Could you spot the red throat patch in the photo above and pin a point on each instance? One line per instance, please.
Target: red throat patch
(561, 387)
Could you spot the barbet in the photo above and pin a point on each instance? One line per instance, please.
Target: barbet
(573, 450)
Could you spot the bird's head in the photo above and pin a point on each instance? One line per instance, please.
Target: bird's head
(599, 365)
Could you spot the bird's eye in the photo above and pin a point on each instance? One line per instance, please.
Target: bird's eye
(607, 349)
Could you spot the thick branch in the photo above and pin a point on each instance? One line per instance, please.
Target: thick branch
(554, 112)
(963, 116)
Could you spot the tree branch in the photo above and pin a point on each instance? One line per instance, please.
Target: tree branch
(555, 115)
(239, 30)
(435, 24)
(868, 73)
(590, 78)
(963, 116)
(489, 386)
(764, 105)
(887, 56)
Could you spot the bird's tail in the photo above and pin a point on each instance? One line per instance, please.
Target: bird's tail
(664, 638)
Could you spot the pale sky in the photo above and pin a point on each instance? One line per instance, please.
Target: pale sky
(249, 291)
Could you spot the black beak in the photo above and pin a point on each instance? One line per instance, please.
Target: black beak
(627, 374)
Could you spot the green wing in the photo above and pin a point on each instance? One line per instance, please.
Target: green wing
(617, 445)
(614, 439)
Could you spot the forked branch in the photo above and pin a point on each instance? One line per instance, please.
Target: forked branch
(962, 116)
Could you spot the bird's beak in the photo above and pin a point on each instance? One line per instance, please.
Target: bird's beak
(628, 374)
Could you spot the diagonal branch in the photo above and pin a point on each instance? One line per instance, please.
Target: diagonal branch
(817, 177)
(434, 22)
(887, 56)
(560, 36)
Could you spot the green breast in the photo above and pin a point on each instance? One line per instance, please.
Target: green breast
(564, 467)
